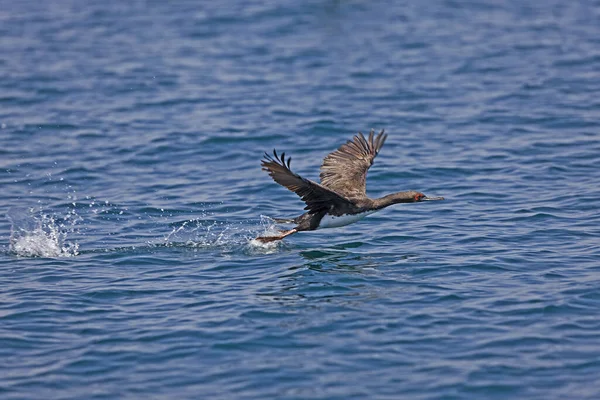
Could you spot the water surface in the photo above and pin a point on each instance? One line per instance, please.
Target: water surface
(130, 144)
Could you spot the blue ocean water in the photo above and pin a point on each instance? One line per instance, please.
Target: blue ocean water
(131, 135)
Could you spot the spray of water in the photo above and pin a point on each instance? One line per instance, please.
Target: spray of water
(35, 234)
(223, 235)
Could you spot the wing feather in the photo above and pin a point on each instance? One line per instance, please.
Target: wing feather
(344, 171)
(316, 197)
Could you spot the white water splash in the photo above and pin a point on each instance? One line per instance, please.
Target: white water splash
(225, 235)
(268, 229)
(35, 234)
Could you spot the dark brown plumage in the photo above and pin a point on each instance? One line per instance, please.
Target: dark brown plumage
(340, 199)
(317, 197)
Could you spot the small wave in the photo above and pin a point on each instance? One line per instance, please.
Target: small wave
(35, 234)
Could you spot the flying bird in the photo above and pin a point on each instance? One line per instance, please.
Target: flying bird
(340, 199)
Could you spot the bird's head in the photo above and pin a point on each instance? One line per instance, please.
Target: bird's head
(418, 196)
(403, 197)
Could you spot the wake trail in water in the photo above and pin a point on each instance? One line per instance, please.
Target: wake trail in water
(35, 233)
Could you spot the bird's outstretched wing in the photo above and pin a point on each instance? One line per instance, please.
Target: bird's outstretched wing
(316, 197)
(344, 171)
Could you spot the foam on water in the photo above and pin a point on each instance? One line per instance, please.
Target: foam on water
(36, 234)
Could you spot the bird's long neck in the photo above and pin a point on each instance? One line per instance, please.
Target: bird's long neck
(394, 198)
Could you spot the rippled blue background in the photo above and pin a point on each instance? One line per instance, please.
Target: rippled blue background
(130, 141)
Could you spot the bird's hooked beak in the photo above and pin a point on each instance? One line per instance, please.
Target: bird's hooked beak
(431, 198)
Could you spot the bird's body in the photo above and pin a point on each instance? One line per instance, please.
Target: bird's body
(340, 199)
(332, 221)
